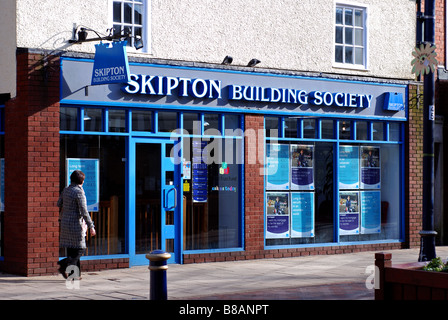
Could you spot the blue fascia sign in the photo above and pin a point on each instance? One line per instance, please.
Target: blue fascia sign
(111, 64)
(212, 89)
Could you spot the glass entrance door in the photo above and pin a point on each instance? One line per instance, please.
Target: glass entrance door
(154, 200)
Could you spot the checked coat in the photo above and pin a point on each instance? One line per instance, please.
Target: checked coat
(73, 203)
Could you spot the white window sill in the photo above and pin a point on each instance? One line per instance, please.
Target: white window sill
(348, 66)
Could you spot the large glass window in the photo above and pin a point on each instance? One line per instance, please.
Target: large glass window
(299, 193)
(345, 190)
(211, 175)
(369, 206)
(212, 180)
(109, 214)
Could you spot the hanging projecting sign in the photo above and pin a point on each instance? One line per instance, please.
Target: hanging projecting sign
(111, 63)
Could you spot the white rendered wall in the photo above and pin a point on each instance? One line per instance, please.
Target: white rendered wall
(7, 48)
(283, 34)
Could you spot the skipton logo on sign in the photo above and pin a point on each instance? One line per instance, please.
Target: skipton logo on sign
(213, 89)
(111, 64)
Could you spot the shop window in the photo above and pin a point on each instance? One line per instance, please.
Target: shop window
(299, 194)
(212, 195)
(192, 123)
(369, 193)
(377, 131)
(232, 125)
(302, 203)
(117, 120)
(69, 119)
(361, 130)
(93, 120)
(105, 196)
(345, 130)
(142, 120)
(167, 121)
(309, 128)
(271, 125)
(327, 129)
(291, 128)
(394, 131)
(129, 17)
(350, 36)
(212, 124)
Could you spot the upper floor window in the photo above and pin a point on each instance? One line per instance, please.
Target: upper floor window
(129, 17)
(350, 36)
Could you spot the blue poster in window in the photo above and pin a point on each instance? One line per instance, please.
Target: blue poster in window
(348, 167)
(302, 169)
(277, 162)
(277, 215)
(370, 212)
(348, 213)
(370, 168)
(302, 214)
(200, 172)
(91, 186)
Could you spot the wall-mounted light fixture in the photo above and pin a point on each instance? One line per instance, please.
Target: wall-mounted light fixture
(82, 34)
(253, 62)
(227, 60)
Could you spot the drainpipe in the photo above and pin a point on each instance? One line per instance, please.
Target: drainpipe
(427, 242)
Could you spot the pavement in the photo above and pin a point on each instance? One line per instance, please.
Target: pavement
(325, 277)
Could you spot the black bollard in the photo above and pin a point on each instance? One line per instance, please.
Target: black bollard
(157, 273)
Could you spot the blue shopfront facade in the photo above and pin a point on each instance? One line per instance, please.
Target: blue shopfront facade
(173, 162)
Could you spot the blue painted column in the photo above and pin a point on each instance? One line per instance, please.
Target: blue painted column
(157, 273)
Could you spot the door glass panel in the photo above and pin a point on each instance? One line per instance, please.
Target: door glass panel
(169, 245)
(169, 178)
(147, 194)
(169, 218)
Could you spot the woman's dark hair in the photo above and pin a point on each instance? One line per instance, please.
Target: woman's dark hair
(77, 177)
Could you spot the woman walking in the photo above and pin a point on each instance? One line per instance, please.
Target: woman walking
(74, 221)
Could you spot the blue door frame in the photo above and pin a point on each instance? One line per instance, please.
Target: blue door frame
(170, 201)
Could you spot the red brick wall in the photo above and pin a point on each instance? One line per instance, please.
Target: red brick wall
(254, 186)
(440, 31)
(31, 237)
(440, 27)
(414, 183)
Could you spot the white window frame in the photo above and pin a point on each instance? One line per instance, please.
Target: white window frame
(364, 9)
(146, 23)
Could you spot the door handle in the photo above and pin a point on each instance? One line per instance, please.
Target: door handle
(175, 197)
(165, 202)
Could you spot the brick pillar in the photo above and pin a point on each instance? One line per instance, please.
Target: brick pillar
(414, 185)
(31, 242)
(254, 186)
